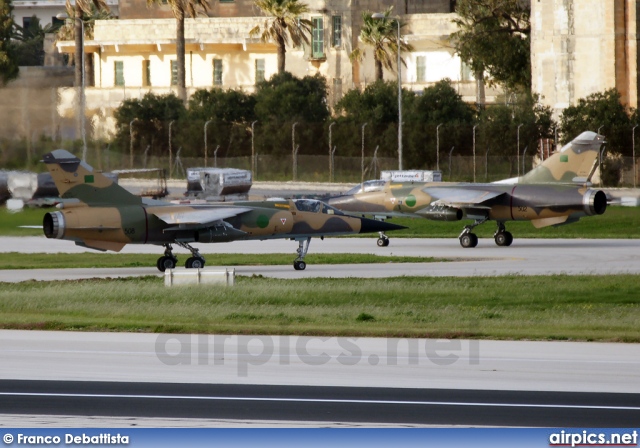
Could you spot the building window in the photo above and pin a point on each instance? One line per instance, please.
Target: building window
(337, 90)
(119, 73)
(259, 70)
(146, 73)
(317, 44)
(26, 22)
(465, 72)
(337, 31)
(421, 68)
(174, 73)
(217, 72)
(56, 23)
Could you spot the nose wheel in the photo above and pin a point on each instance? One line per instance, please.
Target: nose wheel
(383, 241)
(299, 264)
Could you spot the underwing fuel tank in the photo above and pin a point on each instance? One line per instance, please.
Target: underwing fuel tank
(441, 213)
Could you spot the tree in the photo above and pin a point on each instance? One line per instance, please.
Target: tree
(179, 9)
(494, 37)
(68, 32)
(381, 34)
(284, 100)
(283, 24)
(377, 106)
(229, 112)
(29, 42)
(438, 104)
(151, 116)
(78, 11)
(8, 58)
(599, 111)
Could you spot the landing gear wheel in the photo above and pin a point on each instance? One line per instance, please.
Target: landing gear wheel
(504, 238)
(469, 240)
(194, 263)
(299, 265)
(166, 262)
(383, 242)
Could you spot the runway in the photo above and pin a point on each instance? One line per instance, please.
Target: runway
(321, 404)
(313, 379)
(525, 257)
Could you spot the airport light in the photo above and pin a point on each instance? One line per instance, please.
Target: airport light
(474, 153)
(294, 152)
(633, 140)
(64, 16)
(438, 146)
(205, 142)
(330, 153)
(170, 153)
(253, 149)
(362, 158)
(379, 15)
(518, 149)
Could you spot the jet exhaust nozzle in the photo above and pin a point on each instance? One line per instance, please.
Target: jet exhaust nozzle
(53, 225)
(594, 202)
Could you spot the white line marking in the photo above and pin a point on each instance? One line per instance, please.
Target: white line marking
(322, 400)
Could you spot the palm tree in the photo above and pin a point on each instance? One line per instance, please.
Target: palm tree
(381, 34)
(283, 24)
(81, 8)
(179, 9)
(68, 32)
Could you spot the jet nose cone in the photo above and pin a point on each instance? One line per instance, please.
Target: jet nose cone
(373, 226)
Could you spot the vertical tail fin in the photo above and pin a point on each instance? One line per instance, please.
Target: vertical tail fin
(574, 163)
(75, 179)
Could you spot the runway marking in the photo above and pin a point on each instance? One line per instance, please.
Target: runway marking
(323, 400)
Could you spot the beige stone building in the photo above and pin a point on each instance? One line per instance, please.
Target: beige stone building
(583, 47)
(137, 53)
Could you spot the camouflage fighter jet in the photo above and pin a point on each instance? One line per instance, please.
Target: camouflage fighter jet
(100, 214)
(554, 193)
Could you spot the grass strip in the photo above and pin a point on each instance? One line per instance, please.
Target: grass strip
(585, 308)
(14, 260)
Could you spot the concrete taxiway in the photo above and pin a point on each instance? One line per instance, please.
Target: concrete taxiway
(524, 257)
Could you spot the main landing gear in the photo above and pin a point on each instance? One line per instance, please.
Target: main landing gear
(469, 239)
(383, 241)
(502, 237)
(299, 263)
(169, 261)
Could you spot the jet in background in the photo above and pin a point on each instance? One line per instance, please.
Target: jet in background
(100, 214)
(554, 193)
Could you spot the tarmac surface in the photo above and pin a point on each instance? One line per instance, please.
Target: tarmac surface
(524, 257)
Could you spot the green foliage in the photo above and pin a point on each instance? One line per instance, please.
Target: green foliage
(151, 117)
(602, 111)
(599, 110)
(8, 56)
(500, 125)
(382, 35)
(439, 103)
(284, 100)
(284, 24)
(494, 37)
(29, 42)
